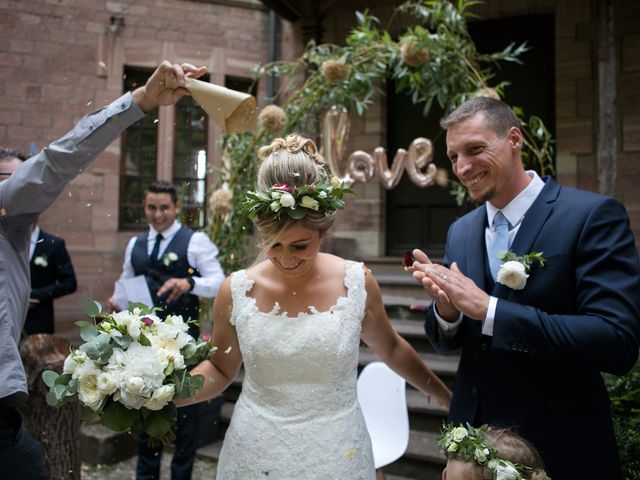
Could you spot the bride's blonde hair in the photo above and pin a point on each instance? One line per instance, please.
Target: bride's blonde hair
(294, 161)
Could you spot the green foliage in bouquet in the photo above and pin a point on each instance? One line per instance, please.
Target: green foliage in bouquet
(130, 368)
(433, 60)
(625, 409)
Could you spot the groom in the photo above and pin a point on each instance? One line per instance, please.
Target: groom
(531, 358)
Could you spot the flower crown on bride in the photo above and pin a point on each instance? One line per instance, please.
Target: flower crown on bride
(323, 197)
(471, 444)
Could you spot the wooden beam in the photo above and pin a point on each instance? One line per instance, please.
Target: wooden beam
(607, 137)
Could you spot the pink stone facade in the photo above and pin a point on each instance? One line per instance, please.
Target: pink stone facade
(61, 59)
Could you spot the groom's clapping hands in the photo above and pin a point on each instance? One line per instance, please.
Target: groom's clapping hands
(453, 292)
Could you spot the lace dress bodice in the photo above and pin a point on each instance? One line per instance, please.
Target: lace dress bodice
(298, 415)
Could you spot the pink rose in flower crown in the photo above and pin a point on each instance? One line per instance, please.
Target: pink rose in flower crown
(284, 187)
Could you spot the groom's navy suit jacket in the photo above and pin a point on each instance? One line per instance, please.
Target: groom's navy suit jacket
(577, 316)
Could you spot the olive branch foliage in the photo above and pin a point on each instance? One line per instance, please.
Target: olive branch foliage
(452, 71)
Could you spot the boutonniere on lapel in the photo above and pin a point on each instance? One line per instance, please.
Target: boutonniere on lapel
(514, 270)
(41, 261)
(168, 258)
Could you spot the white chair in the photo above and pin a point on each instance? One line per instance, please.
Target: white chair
(382, 397)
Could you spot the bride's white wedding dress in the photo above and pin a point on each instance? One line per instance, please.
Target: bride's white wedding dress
(298, 415)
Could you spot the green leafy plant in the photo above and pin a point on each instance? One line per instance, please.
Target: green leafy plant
(625, 409)
(433, 60)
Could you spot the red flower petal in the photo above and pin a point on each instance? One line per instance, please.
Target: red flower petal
(284, 187)
(407, 259)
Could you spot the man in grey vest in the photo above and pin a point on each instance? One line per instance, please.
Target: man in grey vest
(178, 265)
(26, 190)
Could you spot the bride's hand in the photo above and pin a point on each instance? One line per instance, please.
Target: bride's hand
(443, 397)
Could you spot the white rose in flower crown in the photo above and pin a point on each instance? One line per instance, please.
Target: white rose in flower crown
(161, 396)
(453, 447)
(459, 433)
(287, 200)
(308, 202)
(480, 454)
(505, 471)
(275, 206)
(513, 274)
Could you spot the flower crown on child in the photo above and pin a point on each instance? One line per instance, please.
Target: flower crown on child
(471, 444)
(323, 197)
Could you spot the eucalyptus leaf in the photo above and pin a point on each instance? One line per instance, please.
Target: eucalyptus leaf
(92, 308)
(88, 332)
(49, 377)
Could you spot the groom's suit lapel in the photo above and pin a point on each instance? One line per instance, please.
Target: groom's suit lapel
(533, 222)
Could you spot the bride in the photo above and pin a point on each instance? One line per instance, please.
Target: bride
(296, 320)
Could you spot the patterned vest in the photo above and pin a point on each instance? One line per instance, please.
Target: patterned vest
(157, 271)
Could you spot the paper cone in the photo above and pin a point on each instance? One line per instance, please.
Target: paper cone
(234, 111)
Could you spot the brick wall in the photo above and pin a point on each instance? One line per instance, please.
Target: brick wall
(58, 61)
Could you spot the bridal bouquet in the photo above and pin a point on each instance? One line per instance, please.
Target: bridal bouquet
(130, 368)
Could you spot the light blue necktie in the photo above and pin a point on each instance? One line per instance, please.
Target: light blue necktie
(500, 242)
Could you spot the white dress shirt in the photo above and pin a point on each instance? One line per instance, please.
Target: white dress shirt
(202, 254)
(35, 234)
(515, 212)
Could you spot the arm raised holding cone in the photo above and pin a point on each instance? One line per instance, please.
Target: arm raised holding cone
(29, 187)
(166, 85)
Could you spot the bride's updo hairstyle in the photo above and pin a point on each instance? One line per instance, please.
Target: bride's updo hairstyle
(293, 161)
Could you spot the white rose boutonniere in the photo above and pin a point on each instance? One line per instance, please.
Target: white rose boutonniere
(41, 261)
(168, 258)
(515, 270)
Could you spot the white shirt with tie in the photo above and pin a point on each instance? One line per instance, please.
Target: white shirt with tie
(515, 212)
(202, 255)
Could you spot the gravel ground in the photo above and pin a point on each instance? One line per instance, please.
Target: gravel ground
(125, 470)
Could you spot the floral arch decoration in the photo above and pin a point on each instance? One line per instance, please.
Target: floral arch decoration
(433, 60)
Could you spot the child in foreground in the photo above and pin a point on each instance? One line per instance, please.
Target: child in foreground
(485, 453)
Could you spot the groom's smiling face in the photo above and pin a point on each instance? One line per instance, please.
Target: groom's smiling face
(485, 163)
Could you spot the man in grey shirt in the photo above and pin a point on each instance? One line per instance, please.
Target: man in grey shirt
(27, 189)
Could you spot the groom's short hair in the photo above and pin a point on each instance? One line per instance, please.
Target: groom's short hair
(498, 116)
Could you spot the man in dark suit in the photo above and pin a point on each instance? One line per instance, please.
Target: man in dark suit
(52, 276)
(179, 265)
(531, 357)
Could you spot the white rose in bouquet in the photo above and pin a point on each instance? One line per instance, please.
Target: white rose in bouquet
(72, 361)
(130, 368)
(107, 383)
(161, 396)
(88, 391)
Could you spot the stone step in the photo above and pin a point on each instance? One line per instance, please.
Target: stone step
(442, 366)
